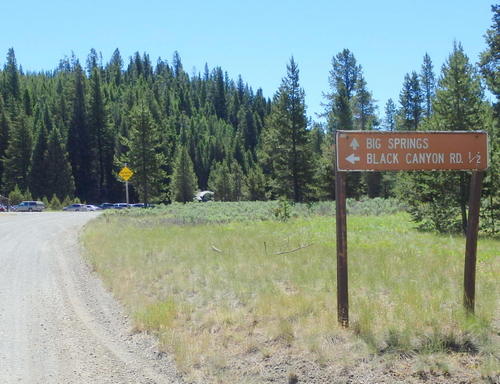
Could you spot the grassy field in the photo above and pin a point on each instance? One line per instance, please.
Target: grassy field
(221, 284)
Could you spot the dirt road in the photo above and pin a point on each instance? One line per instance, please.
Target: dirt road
(57, 322)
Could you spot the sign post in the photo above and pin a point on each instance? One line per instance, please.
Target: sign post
(471, 241)
(126, 173)
(409, 151)
(341, 223)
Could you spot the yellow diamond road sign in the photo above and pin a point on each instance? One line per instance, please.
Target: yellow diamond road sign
(126, 173)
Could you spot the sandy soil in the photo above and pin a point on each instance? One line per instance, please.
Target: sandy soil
(57, 322)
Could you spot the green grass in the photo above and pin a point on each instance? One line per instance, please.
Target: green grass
(244, 211)
(228, 288)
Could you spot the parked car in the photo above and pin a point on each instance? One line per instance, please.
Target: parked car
(30, 206)
(121, 205)
(76, 207)
(91, 207)
(106, 206)
(3, 208)
(142, 205)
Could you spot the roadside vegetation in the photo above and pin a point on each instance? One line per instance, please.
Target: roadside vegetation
(235, 289)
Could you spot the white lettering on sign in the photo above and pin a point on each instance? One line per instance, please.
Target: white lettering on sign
(382, 158)
(476, 158)
(456, 158)
(373, 143)
(424, 158)
(408, 143)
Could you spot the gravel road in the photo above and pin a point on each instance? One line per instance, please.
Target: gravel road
(57, 322)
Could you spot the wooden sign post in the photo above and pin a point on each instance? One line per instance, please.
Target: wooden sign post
(341, 223)
(408, 151)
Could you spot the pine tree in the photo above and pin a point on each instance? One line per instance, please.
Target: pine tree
(343, 78)
(28, 108)
(390, 116)
(221, 182)
(288, 145)
(219, 94)
(12, 77)
(4, 140)
(227, 181)
(17, 160)
(363, 106)
(255, 184)
(459, 106)
(38, 181)
(80, 145)
(410, 98)
(55, 203)
(114, 68)
(144, 156)
(183, 179)
(428, 82)
(101, 139)
(16, 195)
(458, 103)
(489, 69)
(59, 177)
(436, 199)
(490, 58)
(247, 127)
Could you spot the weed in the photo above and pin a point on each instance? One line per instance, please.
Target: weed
(405, 286)
(283, 211)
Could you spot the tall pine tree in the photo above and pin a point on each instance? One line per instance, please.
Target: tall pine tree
(79, 141)
(288, 145)
(59, 177)
(101, 137)
(144, 155)
(38, 182)
(17, 160)
(438, 200)
(4, 141)
(184, 182)
(428, 82)
(411, 99)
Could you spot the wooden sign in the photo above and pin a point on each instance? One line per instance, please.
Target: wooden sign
(411, 151)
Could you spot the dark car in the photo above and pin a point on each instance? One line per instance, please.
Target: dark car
(121, 206)
(3, 208)
(142, 205)
(106, 206)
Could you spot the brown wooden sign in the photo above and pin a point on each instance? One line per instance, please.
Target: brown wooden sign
(411, 151)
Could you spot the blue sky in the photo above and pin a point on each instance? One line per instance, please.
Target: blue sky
(252, 38)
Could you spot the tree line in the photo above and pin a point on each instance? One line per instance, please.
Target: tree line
(67, 132)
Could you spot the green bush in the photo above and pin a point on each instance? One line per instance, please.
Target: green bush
(16, 196)
(244, 211)
(55, 203)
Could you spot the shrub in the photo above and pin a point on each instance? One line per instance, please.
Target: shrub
(55, 203)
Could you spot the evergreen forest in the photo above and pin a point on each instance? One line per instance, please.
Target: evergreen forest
(66, 133)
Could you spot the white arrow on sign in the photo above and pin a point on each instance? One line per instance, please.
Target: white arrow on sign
(354, 144)
(352, 158)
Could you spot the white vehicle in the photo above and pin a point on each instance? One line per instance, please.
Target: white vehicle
(76, 208)
(30, 206)
(91, 207)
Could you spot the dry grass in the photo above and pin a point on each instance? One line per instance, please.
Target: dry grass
(244, 301)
